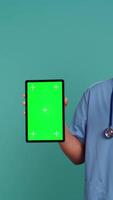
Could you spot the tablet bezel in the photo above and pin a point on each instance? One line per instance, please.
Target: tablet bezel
(26, 109)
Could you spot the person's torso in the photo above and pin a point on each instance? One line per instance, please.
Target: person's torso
(99, 150)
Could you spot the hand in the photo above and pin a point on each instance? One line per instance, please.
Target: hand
(24, 103)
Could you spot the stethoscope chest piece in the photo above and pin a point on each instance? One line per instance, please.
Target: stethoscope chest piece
(108, 132)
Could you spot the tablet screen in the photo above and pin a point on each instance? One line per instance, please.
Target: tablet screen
(44, 110)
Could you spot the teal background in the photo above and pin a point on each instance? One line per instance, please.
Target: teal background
(41, 39)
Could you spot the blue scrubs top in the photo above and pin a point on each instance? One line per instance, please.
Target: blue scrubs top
(90, 119)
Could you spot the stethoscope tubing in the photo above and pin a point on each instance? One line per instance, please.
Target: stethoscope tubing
(108, 133)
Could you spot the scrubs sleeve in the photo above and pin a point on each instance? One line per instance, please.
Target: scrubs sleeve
(78, 126)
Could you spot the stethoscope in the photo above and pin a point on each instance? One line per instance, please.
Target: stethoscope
(108, 132)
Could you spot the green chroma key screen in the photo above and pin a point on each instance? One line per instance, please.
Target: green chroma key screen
(44, 110)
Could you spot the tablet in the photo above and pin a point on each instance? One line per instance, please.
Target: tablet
(44, 110)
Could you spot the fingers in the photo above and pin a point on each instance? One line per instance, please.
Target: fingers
(65, 101)
(23, 103)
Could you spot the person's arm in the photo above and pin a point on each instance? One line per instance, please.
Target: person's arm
(75, 135)
(73, 148)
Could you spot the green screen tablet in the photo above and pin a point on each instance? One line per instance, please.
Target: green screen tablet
(44, 110)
